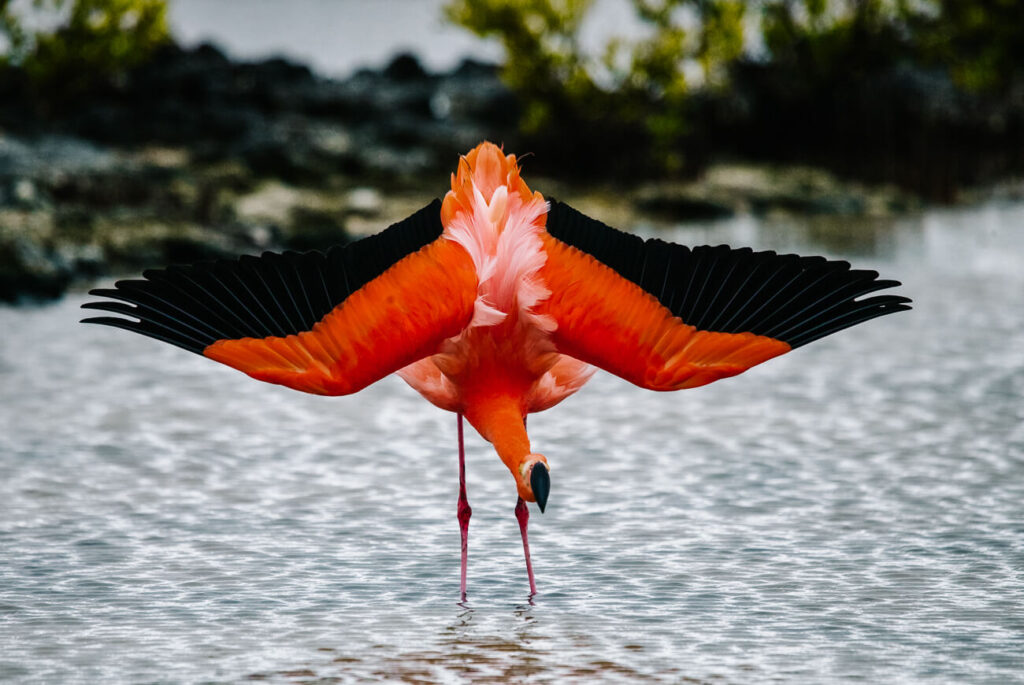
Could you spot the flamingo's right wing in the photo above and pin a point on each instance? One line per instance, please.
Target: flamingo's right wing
(324, 324)
(667, 317)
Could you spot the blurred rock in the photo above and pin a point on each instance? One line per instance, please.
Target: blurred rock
(23, 192)
(405, 67)
(298, 218)
(311, 228)
(899, 124)
(364, 201)
(30, 267)
(728, 189)
(271, 203)
(71, 210)
(279, 118)
(50, 157)
(681, 202)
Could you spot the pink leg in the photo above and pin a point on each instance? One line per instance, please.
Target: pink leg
(523, 516)
(465, 511)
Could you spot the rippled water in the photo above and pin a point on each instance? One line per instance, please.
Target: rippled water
(853, 511)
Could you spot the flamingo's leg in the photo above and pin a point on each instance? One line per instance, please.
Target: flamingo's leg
(523, 516)
(465, 511)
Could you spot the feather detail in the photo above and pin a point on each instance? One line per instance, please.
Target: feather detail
(500, 223)
(495, 217)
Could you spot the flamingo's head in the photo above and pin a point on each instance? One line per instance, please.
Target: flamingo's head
(534, 480)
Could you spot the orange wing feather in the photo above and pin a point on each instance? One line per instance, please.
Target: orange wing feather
(400, 316)
(605, 320)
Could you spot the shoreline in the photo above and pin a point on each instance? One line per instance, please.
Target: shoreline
(199, 157)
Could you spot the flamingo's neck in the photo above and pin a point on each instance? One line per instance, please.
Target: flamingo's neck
(500, 420)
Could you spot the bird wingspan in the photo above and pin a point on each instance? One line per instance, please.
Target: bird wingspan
(328, 324)
(667, 317)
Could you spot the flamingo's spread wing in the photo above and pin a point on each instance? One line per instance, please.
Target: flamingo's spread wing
(667, 317)
(325, 324)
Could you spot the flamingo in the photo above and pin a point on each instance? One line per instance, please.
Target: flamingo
(493, 304)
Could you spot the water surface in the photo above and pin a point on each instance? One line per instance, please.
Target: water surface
(850, 512)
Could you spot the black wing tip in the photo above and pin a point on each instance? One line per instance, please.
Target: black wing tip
(103, 320)
(100, 304)
(162, 334)
(863, 311)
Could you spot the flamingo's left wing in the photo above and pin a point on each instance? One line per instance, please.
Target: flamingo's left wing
(324, 324)
(667, 317)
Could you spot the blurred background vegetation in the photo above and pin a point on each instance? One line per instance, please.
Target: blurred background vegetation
(85, 43)
(691, 86)
(854, 85)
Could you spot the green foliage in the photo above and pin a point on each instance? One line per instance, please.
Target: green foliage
(544, 63)
(642, 84)
(721, 38)
(95, 40)
(825, 40)
(980, 42)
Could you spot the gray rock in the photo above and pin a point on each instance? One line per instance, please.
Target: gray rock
(52, 156)
(30, 267)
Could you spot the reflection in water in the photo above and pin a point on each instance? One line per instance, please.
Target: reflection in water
(467, 650)
(851, 511)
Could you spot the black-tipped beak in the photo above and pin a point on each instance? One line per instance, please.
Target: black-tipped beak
(540, 483)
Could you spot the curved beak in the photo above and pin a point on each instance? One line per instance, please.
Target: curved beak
(540, 483)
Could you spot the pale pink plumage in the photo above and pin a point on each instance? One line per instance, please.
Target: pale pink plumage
(500, 227)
